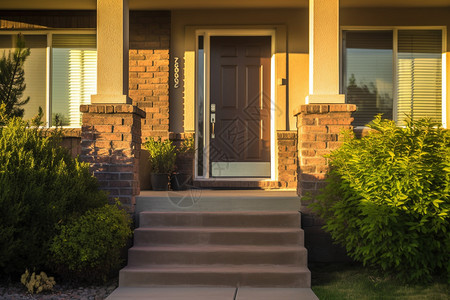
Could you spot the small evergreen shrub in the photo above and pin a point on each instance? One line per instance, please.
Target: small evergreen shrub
(40, 186)
(89, 247)
(12, 79)
(388, 198)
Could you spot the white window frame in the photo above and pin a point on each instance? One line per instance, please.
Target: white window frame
(395, 30)
(48, 71)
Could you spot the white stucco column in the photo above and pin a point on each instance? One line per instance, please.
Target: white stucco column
(324, 52)
(112, 52)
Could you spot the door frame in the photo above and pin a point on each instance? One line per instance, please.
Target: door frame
(207, 33)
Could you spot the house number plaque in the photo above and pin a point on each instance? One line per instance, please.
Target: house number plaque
(176, 73)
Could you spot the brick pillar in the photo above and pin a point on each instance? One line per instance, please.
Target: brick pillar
(319, 127)
(111, 143)
(287, 159)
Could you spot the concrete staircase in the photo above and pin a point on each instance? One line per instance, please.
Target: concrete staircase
(234, 248)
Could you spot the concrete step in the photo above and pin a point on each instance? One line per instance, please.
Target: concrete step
(217, 254)
(217, 200)
(211, 293)
(217, 236)
(218, 248)
(216, 275)
(220, 219)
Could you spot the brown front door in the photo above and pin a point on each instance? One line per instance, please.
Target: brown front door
(240, 92)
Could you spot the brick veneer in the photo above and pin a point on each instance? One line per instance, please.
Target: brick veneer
(319, 127)
(149, 76)
(149, 69)
(71, 140)
(111, 143)
(287, 159)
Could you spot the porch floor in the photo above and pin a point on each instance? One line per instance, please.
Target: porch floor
(217, 200)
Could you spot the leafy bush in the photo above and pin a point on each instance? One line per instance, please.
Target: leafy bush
(388, 198)
(162, 155)
(90, 246)
(187, 146)
(40, 186)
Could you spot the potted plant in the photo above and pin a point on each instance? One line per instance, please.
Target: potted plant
(179, 179)
(162, 159)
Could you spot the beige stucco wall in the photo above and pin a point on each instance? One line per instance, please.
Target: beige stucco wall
(291, 57)
(403, 17)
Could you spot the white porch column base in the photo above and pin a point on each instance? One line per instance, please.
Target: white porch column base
(311, 99)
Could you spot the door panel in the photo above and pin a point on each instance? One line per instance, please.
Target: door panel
(240, 90)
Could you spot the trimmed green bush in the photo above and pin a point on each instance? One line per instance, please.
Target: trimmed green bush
(388, 198)
(89, 247)
(162, 155)
(41, 185)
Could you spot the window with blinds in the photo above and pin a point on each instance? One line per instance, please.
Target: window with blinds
(368, 75)
(371, 63)
(419, 74)
(74, 76)
(34, 68)
(35, 75)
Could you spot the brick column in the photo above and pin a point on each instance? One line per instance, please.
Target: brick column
(287, 159)
(111, 143)
(319, 127)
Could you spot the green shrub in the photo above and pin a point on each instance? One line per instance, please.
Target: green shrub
(162, 155)
(90, 246)
(388, 198)
(40, 185)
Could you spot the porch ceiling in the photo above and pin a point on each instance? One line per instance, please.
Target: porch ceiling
(208, 4)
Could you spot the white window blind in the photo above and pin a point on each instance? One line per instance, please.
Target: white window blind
(419, 74)
(74, 76)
